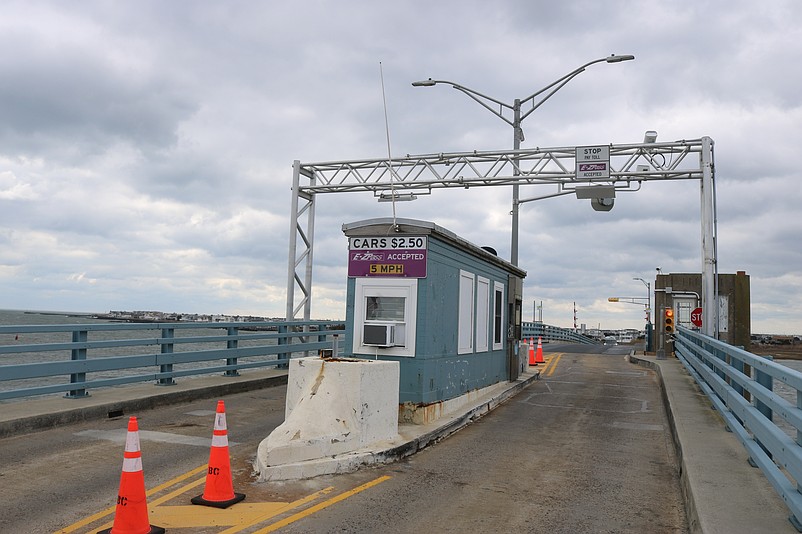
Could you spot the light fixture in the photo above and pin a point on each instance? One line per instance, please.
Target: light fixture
(424, 83)
(397, 197)
(618, 59)
(650, 136)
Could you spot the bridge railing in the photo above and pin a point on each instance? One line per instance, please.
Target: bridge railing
(553, 333)
(75, 358)
(740, 385)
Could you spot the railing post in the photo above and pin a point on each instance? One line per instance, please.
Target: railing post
(335, 345)
(722, 356)
(765, 380)
(167, 348)
(321, 338)
(305, 339)
(231, 344)
(78, 336)
(739, 366)
(283, 357)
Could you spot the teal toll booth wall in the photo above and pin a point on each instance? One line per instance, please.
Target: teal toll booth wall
(437, 304)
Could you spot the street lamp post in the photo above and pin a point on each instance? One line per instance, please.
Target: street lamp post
(648, 312)
(517, 118)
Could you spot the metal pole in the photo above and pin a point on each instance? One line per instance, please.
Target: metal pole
(517, 134)
(296, 184)
(709, 297)
(310, 228)
(648, 303)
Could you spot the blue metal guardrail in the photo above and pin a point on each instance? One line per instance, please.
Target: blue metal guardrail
(102, 355)
(740, 386)
(553, 333)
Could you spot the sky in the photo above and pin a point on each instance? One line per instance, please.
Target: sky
(146, 147)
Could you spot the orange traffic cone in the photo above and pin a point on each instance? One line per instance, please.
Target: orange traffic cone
(532, 352)
(131, 515)
(219, 490)
(539, 355)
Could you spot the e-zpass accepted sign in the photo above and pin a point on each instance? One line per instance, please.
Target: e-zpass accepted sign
(592, 162)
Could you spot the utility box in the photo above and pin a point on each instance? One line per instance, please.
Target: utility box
(444, 308)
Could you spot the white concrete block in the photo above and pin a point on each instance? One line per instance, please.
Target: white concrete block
(333, 407)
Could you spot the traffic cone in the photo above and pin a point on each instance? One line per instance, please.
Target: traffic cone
(219, 490)
(131, 515)
(539, 355)
(532, 352)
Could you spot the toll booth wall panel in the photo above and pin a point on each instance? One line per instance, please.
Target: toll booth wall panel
(439, 371)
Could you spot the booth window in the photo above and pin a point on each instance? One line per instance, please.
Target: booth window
(482, 313)
(384, 316)
(384, 308)
(498, 315)
(466, 313)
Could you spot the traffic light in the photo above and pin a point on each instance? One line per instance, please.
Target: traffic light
(668, 320)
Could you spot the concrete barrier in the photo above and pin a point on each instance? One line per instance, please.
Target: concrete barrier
(334, 406)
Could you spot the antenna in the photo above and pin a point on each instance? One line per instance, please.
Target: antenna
(389, 155)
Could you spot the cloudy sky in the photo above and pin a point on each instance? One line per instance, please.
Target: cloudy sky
(146, 147)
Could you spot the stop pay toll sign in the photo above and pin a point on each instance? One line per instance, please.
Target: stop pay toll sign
(592, 162)
(696, 317)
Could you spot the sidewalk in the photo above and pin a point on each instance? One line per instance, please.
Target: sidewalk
(722, 492)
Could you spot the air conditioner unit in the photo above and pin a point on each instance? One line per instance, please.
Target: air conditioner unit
(378, 335)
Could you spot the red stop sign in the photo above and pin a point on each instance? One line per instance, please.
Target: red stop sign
(696, 317)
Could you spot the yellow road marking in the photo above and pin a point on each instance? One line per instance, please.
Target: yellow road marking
(552, 365)
(325, 504)
(239, 517)
(111, 509)
(165, 498)
(286, 508)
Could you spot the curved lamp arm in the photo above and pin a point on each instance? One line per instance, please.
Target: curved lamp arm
(478, 97)
(555, 86)
(560, 83)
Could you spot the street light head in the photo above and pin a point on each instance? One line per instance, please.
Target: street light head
(618, 59)
(424, 83)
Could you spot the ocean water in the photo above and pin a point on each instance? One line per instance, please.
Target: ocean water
(21, 317)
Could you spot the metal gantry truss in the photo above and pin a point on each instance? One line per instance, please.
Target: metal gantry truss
(630, 165)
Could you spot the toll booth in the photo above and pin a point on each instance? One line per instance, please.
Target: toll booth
(447, 310)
